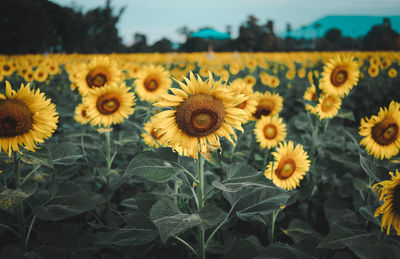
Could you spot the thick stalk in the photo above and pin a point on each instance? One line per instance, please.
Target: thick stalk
(108, 150)
(200, 197)
(20, 205)
(272, 227)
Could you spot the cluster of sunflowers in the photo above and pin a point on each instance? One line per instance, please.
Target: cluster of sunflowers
(192, 118)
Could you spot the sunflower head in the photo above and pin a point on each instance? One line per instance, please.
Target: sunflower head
(202, 111)
(328, 106)
(382, 132)
(109, 105)
(389, 193)
(249, 105)
(81, 114)
(340, 75)
(290, 165)
(268, 104)
(26, 118)
(151, 82)
(151, 135)
(100, 72)
(270, 131)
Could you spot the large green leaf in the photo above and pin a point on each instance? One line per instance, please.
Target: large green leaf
(71, 200)
(370, 168)
(251, 201)
(153, 169)
(171, 222)
(299, 230)
(344, 234)
(240, 175)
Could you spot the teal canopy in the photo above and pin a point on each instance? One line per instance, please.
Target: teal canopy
(209, 33)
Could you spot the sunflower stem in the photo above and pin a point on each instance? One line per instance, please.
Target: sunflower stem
(274, 215)
(200, 196)
(20, 205)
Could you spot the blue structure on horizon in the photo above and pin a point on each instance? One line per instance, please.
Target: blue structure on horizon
(210, 34)
(351, 26)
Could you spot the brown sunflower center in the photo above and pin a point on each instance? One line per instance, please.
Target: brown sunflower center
(314, 96)
(385, 132)
(270, 131)
(84, 113)
(242, 105)
(285, 168)
(108, 104)
(396, 199)
(6, 67)
(339, 76)
(264, 108)
(327, 104)
(151, 84)
(155, 135)
(200, 115)
(97, 77)
(15, 118)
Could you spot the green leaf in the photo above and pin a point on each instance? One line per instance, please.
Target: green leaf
(282, 250)
(335, 210)
(171, 222)
(370, 168)
(346, 114)
(41, 157)
(72, 200)
(153, 169)
(250, 202)
(127, 237)
(299, 230)
(240, 175)
(240, 248)
(211, 216)
(65, 154)
(126, 137)
(344, 234)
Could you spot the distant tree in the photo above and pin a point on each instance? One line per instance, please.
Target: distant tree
(381, 37)
(333, 35)
(139, 45)
(194, 45)
(162, 46)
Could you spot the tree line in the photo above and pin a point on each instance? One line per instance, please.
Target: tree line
(40, 26)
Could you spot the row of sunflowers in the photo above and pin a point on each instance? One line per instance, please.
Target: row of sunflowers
(212, 142)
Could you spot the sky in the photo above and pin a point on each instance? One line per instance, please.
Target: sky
(161, 18)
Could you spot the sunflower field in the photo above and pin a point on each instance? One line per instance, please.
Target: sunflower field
(201, 155)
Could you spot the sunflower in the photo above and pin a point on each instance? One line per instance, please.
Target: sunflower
(100, 72)
(268, 104)
(290, 165)
(381, 132)
(270, 131)
(26, 118)
(40, 74)
(109, 105)
(328, 106)
(81, 114)
(201, 112)
(151, 82)
(389, 192)
(250, 80)
(151, 136)
(373, 71)
(392, 72)
(7, 68)
(340, 75)
(311, 95)
(301, 73)
(249, 105)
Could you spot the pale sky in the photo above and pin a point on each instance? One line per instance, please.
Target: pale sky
(161, 18)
